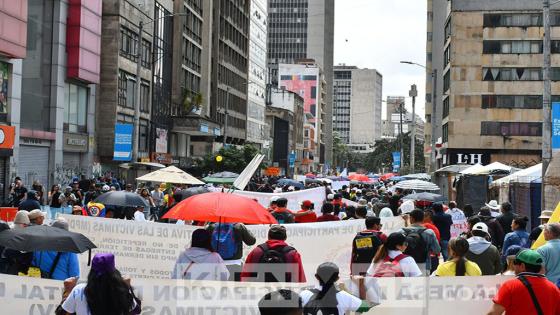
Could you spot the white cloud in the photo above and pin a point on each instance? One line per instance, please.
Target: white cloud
(378, 34)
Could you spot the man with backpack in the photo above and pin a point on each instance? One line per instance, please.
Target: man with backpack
(228, 240)
(421, 241)
(365, 245)
(274, 260)
(281, 213)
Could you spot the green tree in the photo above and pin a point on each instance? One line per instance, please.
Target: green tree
(341, 153)
(234, 159)
(382, 157)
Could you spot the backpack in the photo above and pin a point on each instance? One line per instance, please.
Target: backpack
(223, 240)
(273, 256)
(417, 246)
(317, 306)
(283, 217)
(390, 267)
(364, 247)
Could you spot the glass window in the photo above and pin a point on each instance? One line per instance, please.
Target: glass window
(75, 108)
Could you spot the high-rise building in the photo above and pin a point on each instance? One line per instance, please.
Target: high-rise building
(307, 80)
(257, 132)
(229, 68)
(357, 107)
(435, 40)
(395, 104)
(304, 29)
(492, 82)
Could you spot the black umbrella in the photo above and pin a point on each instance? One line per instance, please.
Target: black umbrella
(122, 199)
(44, 237)
(425, 196)
(189, 192)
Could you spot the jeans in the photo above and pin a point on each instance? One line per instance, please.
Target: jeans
(444, 252)
(53, 212)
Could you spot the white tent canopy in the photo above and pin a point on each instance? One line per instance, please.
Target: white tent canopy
(490, 168)
(171, 175)
(472, 169)
(524, 176)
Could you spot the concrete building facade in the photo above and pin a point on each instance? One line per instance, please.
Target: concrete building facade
(49, 70)
(304, 29)
(357, 107)
(286, 110)
(257, 132)
(492, 82)
(395, 104)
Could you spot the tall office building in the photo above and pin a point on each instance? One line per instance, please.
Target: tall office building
(357, 107)
(229, 68)
(304, 29)
(257, 132)
(492, 82)
(395, 104)
(435, 39)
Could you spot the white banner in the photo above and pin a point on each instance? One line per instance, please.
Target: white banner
(149, 250)
(316, 195)
(399, 296)
(337, 185)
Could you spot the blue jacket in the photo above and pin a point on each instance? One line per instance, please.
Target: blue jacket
(67, 266)
(517, 237)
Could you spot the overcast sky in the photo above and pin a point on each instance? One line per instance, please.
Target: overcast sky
(377, 34)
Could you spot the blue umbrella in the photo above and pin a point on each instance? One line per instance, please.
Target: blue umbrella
(290, 182)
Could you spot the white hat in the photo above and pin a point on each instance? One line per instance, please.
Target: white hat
(274, 198)
(106, 188)
(407, 207)
(493, 204)
(330, 196)
(22, 217)
(34, 214)
(546, 214)
(386, 213)
(481, 226)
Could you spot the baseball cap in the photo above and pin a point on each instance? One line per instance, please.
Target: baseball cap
(530, 257)
(306, 203)
(326, 271)
(481, 226)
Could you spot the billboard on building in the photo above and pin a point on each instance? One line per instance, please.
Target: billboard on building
(556, 125)
(161, 140)
(123, 142)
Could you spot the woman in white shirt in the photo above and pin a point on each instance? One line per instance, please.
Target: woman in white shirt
(391, 254)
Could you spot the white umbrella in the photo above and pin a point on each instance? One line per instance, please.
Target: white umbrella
(171, 175)
(421, 176)
(490, 168)
(416, 184)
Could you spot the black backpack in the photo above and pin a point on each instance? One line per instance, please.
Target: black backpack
(283, 217)
(323, 306)
(268, 264)
(417, 246)
(364, 247)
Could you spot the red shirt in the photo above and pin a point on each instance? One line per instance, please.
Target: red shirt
(293, 260)
(515, 297)
(434, 228)
(308, 218)
(328, 217)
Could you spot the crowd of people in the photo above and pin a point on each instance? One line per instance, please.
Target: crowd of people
(496, 241)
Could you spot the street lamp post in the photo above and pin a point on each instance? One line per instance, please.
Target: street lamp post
(413, 93)
(433, 119)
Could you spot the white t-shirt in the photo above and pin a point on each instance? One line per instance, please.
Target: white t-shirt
(408, 265)
(346, 302)
(76, 301)
(139, 216)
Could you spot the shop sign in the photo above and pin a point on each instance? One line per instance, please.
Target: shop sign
(7, 136)
(162, 158)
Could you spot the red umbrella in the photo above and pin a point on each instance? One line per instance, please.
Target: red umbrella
(387, 176)
(222, 208)
(310, 175)
(359, 178)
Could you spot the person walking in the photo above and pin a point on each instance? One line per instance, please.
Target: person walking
(506, 216)
(443, 222)
(482, 252)
(105, 292)
(54, 200)
(518, 236)
(530, 292)
(494, 227)
(327, 299)
(551, 251)
(458, 265)
(30, 202)
(281, 213)
(365, 244)
(274, 260)
(421, 241)
(57, 265)
(536, 232)
(390, 261)
(200, 261)
(281, 302)
(327, 211)
(228, 240)
(307, 213)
